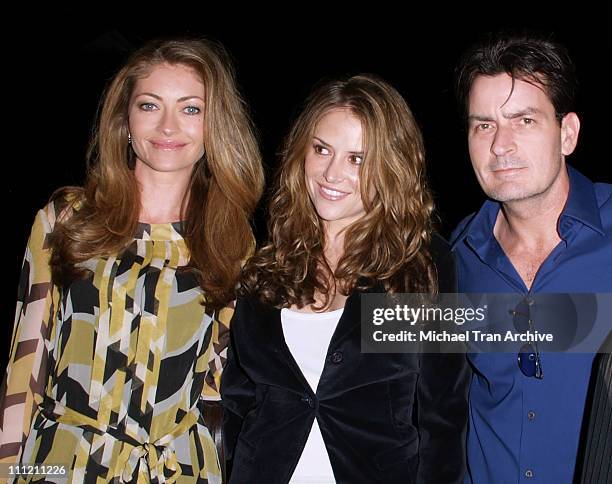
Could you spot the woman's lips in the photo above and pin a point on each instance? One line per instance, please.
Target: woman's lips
(331, 193)
(167, 145)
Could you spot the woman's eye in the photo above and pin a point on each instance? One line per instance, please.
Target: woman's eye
(192, 110)
(148, 106)
(321, 150)
(356, 160)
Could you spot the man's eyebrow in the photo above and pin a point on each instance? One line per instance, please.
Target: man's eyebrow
(479, 117)
(521, 113)
(510, 115)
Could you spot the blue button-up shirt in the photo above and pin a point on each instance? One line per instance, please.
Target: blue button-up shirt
(524, 429)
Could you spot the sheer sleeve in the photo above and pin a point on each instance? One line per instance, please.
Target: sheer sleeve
(26, 374)
(216, 355)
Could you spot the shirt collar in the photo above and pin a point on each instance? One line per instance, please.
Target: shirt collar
(581, 203)
(581, 206)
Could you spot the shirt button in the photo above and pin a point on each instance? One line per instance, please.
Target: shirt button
(531, 415)
(337, 357)
(528, 473)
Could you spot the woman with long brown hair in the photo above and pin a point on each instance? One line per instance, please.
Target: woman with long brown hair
(351, 214)
(127, 284)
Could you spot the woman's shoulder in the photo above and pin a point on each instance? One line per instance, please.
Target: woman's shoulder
(444, 261)
(62, 204)
(250, 311)
(440, 247)
(62, 201)
(68, 197)
(252, 302)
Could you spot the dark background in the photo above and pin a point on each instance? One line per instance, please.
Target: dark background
(57, 69)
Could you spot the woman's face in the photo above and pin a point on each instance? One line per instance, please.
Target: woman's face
(332, 169)
(166, 120)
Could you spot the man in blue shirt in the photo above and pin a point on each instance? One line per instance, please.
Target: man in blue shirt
(545, 228)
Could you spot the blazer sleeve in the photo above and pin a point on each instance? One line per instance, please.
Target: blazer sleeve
(24, 382)
(442, 398)
(237, 389)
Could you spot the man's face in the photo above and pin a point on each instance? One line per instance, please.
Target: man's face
(516, 144)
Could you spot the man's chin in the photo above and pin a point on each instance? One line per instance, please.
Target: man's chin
(509, 195)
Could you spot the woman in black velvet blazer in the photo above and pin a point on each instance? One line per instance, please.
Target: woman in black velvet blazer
(351, 214)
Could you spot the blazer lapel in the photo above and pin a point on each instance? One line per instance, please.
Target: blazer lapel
(270, 338)
(274, 340)
(351, 317)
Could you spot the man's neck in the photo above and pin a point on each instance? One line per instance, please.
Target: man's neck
(527, 229)
(533, 221)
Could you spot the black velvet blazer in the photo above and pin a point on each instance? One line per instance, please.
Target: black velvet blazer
(389, 418)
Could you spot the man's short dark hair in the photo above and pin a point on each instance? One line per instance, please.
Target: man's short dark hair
(529, 57)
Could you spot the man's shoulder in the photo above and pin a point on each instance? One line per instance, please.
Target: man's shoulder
(603, 195)
(460, 229)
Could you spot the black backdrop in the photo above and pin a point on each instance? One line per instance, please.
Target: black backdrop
(58, 69)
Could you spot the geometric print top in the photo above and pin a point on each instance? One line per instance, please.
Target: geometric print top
(107, 375)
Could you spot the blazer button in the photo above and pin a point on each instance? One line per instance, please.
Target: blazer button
(308, 400)
(337, 357)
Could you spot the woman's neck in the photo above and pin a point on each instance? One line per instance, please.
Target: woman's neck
(333, 252)
(161, 196)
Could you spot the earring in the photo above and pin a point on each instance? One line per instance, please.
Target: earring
(129, 139)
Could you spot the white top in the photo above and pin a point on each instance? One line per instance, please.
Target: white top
(308, 335)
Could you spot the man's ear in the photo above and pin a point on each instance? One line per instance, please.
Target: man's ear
(570, 127)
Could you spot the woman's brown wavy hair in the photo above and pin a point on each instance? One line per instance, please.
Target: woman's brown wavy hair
(389, 245)
(225, 184)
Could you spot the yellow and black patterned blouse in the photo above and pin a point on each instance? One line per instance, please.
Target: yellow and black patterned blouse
(107, 376)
